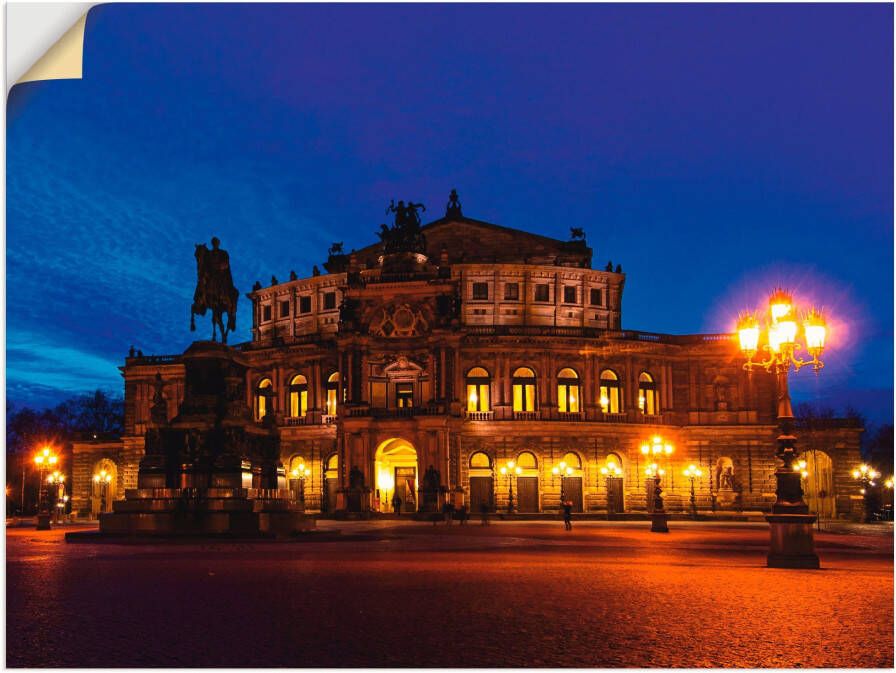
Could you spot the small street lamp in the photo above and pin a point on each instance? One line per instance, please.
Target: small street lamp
(298, 474)
(866, 476)
(791, 544)
(102, 479)
(561, 470)
(510, 470)
(59, 479)
(693, 473)
(45, 459)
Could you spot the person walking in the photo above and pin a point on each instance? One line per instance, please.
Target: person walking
(462, 514)
(483, 512)
(567, 514)
(396, 504)
(448, 512)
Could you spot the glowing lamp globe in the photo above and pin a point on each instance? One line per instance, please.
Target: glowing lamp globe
(748, 333)
(816, 331)
(780, 305)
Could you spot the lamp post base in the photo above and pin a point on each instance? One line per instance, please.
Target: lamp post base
(658, 522)
(792, 541)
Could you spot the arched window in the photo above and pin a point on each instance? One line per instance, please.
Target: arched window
(332, 393)
(523, 389)
(527, 460)
(647, 394)
(568, 391)
(298, 396)
(610, 392)
(262, 393)
(478, 386)
(572, 460)
(480, 460)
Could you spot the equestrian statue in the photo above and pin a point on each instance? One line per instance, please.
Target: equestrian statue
(214, 289)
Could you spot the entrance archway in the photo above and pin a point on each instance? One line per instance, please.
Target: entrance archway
(104, 481)
(818, 486)
(395, 467)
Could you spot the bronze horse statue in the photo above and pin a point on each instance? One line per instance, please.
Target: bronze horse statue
(214, 290)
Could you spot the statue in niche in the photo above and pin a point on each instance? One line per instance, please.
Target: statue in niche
(431, 479)
(720, 392)
(726, 482)
(355, 479)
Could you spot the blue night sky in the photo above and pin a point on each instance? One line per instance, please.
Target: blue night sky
(713, 151)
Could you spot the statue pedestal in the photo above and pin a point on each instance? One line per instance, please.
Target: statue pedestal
(658, 522)
(725, 498)
(792, 541)
(211, 470)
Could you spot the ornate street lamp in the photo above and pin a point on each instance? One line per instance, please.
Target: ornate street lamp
(59, 479)
(102, 479)
(45, 459)
(657, 448)
(510, 470)
(561, 470)
(693, 473)
(866, 476)
(299, 474)
(792, 544)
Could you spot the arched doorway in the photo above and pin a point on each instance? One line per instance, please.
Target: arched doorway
(104, 481)
(818, 486)
(330, 483)
(613, 471)
(570, 471)
(395, 467)
(527, 482)
(482, 482)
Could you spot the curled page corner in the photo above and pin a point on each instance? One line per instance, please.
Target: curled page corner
(64, 60)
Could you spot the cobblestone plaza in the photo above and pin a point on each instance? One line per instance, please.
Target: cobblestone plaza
(411, 594)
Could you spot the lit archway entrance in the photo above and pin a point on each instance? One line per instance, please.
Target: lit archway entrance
(104, 482)
(395, 467)
(818, 486)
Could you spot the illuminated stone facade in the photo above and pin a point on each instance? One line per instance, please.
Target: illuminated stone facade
(422, 371)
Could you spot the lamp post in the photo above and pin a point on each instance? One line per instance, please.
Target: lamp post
(45, 460)
(693, 473)
(102, 479)
(658, 517)
(866, 476)
(298, 474)
(792, 544)
(561, 470)
(510, 470)
(59, 479)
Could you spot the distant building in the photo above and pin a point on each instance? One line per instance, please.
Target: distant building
(415, 369)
